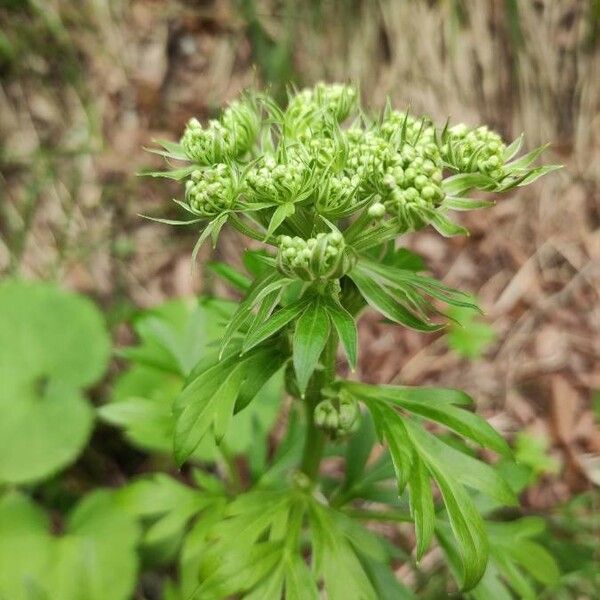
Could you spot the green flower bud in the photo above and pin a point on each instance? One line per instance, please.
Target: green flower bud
(338, 416)
(376, 211)
(321, 257)
(229, 137)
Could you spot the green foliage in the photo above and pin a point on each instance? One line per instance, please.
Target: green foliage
(173, 339)
(328, 190)
(93, 559)
(44, 372)
(468, 334)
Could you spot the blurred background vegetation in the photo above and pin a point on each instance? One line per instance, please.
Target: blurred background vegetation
(86, 84)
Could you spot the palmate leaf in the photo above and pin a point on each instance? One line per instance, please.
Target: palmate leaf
(335, 560)
(466, 522)
(418, 455)
(214, 387)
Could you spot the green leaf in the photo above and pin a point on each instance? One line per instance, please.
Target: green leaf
(212, 230)
(275, 323)
(94, 559)
(465, 423)
(459, 184)
(468, 334)
(513, 148)
(281, 213)
(176, 174)
(399, 393)
(398, 442)
(538, 172)
(45, 420)
(335, 560)
(456, 203)
(358, 450)
(299, 582)
(527, 159)
(238, 280)
(380, 299)
(445, 226)
(345, 326)
(465, 521)
(469, 471)
(421, 506)
(310, 336)
(195, 408)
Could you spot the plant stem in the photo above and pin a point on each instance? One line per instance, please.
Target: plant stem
(314, 443)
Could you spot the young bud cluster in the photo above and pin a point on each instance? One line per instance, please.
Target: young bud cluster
(211, 191)
(475, 150)
(319, 257)
(337, 416)
(277, 181)
(412, 184)
(321, 163)
(230, 137)
(312, 106)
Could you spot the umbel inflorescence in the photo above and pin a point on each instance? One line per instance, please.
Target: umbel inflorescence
(329, 190)
(324, 183)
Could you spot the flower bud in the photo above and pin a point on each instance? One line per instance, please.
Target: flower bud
(337, 416)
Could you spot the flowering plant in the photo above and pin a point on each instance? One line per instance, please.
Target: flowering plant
(329, 191)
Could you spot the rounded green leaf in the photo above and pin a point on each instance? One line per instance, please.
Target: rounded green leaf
(52, 344)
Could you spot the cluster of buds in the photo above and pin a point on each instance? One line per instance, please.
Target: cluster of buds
(337, 197)
(475, 150)
(412, 184)
(211, 190)
(402, 128)
(229, 137)
(310, 107)
(273, 181)
(368, 153)
(320, 257)
(339, 416)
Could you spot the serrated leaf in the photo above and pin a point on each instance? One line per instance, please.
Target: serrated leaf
(345, 325)
(421, 505)
(310, 336)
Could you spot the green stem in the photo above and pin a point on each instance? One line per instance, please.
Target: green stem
(314, 443)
